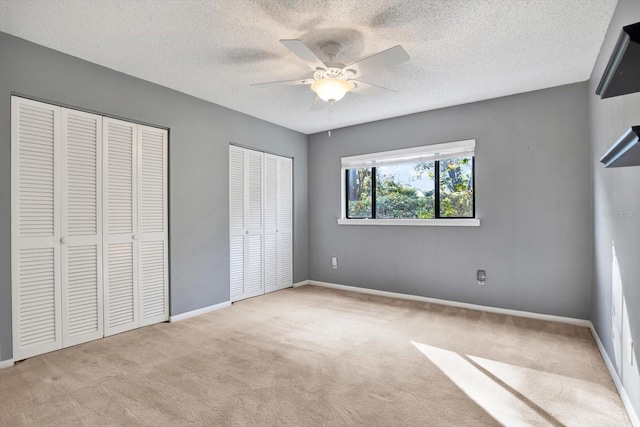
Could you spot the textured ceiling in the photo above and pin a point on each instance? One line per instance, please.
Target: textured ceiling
(461, 50)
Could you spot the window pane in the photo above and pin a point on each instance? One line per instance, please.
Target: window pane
(359, 193)
(456, 187)
(405, 190)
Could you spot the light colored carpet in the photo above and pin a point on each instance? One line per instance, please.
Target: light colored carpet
(314, 356)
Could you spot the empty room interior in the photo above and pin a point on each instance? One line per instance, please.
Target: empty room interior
(259, 212)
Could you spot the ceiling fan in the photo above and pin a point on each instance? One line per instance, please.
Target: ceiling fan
(332, 80)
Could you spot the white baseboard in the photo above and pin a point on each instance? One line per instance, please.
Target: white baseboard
(569, 320)
(303, 283)
(6, 363)
(635, 421)
(199, 311)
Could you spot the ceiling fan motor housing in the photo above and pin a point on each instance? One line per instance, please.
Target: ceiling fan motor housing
(331, 49)
(329, 73)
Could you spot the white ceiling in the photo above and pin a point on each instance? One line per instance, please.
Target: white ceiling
(461, 50)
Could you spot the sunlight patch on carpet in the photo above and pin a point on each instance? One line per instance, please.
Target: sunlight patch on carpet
(514, 395)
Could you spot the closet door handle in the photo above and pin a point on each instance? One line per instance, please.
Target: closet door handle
(64, 240)
(134, 237)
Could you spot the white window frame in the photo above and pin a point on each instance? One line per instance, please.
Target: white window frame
(426, 153)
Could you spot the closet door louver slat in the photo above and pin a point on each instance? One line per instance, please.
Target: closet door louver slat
(254, 266)
(271, 262)
(37, 186)
(120, 178)
(237, 267)
(254, 190)
(236, 188)
(38, 315)
(83, 314)
(285, 256)
(121, 292)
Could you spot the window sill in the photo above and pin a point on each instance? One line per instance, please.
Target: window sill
(461, 222)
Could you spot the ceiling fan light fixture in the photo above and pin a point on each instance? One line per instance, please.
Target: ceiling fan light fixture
(331, 89)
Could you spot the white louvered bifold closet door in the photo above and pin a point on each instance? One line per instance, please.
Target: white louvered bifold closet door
(237, 229)
(89, 226)
(246, 232)
(270, 223)
(254, 235)
(153, 233)
(81, 226)
(35, 228)
(120, 226)
(285, 222)
(260, 222)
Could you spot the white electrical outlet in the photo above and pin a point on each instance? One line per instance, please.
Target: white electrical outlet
(334, 263)
(481, 276)
(630, 351)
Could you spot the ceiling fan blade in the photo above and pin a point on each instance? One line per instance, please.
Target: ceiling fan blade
(301, 50)
(285, 83)
(386, 58)
(369, 89)
(318, 104)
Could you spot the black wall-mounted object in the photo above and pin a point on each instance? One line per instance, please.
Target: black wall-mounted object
(622, 75)
(625, 151)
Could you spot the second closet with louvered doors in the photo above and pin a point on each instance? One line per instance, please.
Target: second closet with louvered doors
(135, 226)
(88, 226)
(260, 222)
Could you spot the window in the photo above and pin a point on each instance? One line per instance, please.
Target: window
(417, 186)
(359, 190)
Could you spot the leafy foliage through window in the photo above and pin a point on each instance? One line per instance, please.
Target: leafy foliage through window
(420, 190)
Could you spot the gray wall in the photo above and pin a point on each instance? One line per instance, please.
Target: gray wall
(532, 197)
(616, 210)
(200, 133)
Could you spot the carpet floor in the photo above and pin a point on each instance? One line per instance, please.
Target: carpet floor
(314, 356)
